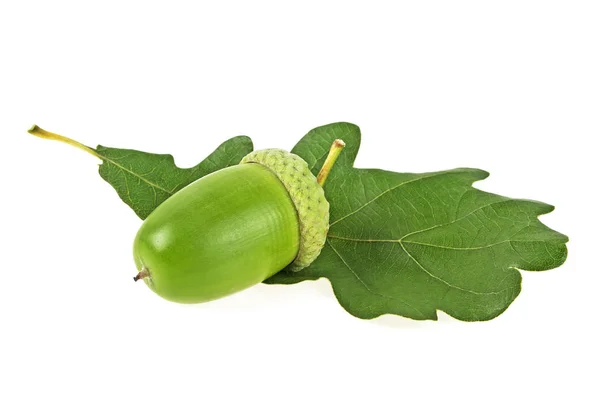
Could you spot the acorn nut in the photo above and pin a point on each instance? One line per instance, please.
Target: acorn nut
(235, 227)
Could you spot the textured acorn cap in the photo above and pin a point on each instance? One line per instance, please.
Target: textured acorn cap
(307, 195)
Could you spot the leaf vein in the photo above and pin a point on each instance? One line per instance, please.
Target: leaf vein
(106, 159)
(367, 287)
(446, 282)
(384, 193)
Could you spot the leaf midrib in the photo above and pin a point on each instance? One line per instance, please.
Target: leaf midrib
(432, 275)
(399, 241)
(430, 227)
(433, 245)
(153, 185)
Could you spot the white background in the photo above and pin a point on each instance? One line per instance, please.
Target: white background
(512, 87)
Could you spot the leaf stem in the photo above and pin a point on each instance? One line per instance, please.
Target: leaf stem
(334, 152)
(39, 132)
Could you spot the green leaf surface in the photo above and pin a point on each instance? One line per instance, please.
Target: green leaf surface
(412, 244)
(144, 180)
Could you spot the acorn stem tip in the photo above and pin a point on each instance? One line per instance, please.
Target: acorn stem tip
(142, 274)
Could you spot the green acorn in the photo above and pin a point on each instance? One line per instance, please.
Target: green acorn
(235, 228)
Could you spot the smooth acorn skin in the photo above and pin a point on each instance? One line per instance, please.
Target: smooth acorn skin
(221, 234)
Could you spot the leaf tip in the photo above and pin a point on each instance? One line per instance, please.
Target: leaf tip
(480, 174)
(546, 208)
(538, 208)
(475, 174)
(247, 140)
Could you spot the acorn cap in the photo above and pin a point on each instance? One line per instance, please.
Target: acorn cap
(308, 198)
